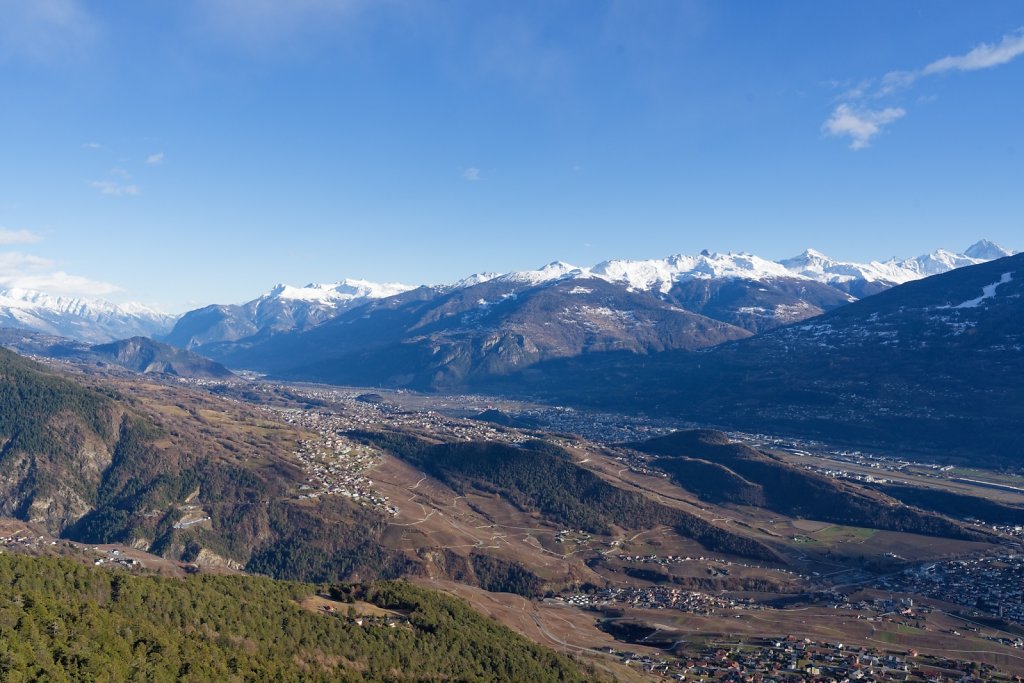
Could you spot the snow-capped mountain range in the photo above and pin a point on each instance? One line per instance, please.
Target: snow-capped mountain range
(487, 325)
(287, 307)
(283, 308)
(89, 320)
(661, 274)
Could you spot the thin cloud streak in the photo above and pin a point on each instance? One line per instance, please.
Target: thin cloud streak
(984, 56)
(861, 124)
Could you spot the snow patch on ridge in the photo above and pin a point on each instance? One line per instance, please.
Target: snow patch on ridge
(987, 292)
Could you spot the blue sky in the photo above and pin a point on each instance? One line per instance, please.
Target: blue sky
(198, 151)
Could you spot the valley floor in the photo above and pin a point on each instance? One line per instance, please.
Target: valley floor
(636, 600)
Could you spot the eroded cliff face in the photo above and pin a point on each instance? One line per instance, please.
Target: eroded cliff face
(208, 558)
(53, 482)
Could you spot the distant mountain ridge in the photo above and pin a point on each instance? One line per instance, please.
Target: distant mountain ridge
(286, 308)
(91, 320)
(662, 274)
(138, 354)
(931, 366)
(720, 286)
(144, 355)
(429, 338)
(283, 308)
(487, 324)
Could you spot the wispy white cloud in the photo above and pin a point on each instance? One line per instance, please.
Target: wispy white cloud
(155, 159)
(59, 282)
(984, 56)
(114, 188)
(8, 236)
(17, 262)
(19, 270)
(27, 271)
(851, 118)
(44, 30)
(894, 81)
(472, 174)
(92, 145)
(857, 91)
(860, 125)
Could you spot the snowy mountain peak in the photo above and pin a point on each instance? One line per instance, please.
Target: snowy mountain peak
(643, 275)
(741, 265)
(811, 255)
(986, 250)
(556, 270)
(817, 266)
(335, 293)
(810, 260)
(661, 274)
(939, 261)
(474, 279)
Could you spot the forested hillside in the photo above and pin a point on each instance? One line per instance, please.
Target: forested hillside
(784, 488)
(931, 367)
(63, 621)
(95, 466)
(541, 477)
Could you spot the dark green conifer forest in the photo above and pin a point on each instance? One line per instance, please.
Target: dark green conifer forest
(64, 621)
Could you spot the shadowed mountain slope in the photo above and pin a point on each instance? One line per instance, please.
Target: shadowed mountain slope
(934, 366)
